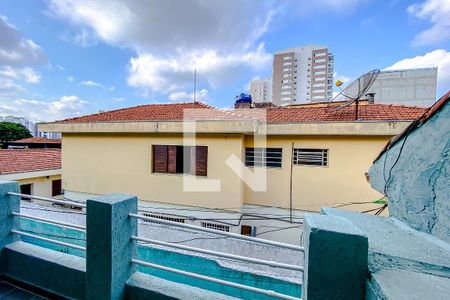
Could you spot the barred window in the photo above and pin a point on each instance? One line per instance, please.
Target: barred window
(161, 217)
(216, 226)
(311, 157)
(263, 157)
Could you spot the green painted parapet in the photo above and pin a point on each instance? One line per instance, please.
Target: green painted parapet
(8, 204)
(109, 245)
(336, 253)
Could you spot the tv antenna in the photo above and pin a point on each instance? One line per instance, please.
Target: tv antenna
(353, 92)
(195, 86)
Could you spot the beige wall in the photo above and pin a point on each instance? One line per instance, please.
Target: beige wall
(343, 181)
(106, 163)
(41, 186)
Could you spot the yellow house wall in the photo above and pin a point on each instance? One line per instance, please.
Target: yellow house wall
(107, 163)
(42, 186)
(341, 182)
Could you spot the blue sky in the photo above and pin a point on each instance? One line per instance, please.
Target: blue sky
(61, 58)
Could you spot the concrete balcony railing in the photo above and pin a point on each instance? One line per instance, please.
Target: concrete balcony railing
(335, 257)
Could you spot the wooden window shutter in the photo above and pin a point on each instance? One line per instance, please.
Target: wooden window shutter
(160, 158)
(201, 160)
(172, 159)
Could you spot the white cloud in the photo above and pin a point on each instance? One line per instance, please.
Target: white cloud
(9, 88)
(309, 9)
(438, 58)
(15, 49)
(436, 12)
(172, 73)
(70, 78)
(183, 96)
(92, 83)
(121, 99)
(26, 74)
(221, 39)
(37, 110)
(172, 38)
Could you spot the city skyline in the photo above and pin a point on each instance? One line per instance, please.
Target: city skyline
(72, 58)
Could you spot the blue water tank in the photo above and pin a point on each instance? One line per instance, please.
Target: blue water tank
(243, 98)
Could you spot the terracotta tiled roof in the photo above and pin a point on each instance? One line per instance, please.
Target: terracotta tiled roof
(199, 111)
(29, 160)
(37, 140)
(158, 112)
(371, 112)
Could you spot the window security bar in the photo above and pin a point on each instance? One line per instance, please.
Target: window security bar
(49, 199)
(221, 254)
(215, 280)
(77, 227)
(48, 240)
(219, 232)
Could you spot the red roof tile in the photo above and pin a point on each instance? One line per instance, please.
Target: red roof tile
(158, 112)
(37, 140)
(307, 114)
(29, 160)
(296, 114)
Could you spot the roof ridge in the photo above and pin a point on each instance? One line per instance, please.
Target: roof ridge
(130, 107)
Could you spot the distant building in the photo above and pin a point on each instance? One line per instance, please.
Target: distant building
(49, 135)
(261, 90)
(38, 171)
(406, 87)
(20, 120)
(302, 75)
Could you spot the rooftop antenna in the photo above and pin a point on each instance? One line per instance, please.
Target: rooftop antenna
(195, 85)
(353, 92)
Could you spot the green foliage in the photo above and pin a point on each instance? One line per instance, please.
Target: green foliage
(12, 132)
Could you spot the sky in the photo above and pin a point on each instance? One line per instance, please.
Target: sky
(64, 58)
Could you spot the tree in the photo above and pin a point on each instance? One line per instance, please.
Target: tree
(12, 132)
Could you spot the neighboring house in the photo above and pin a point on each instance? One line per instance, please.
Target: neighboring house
(35, 142)
(140, 151)
(38, 171)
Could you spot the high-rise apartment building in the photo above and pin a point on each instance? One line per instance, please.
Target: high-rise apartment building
(261, 90)
(302, 75)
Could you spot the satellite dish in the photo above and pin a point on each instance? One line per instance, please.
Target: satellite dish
(353, 92)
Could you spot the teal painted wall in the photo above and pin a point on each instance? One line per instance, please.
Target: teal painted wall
(415, 174)
(189, 263)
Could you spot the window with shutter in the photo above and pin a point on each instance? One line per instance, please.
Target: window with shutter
(201, 160)
(180, 159)
(160, 158)
(172, 159)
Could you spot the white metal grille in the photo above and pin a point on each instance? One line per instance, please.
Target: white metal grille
(216, 226)
(173, 219)
(263, 157)
(311, 157)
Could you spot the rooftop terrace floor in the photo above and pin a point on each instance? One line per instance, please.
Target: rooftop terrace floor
(9, 291)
